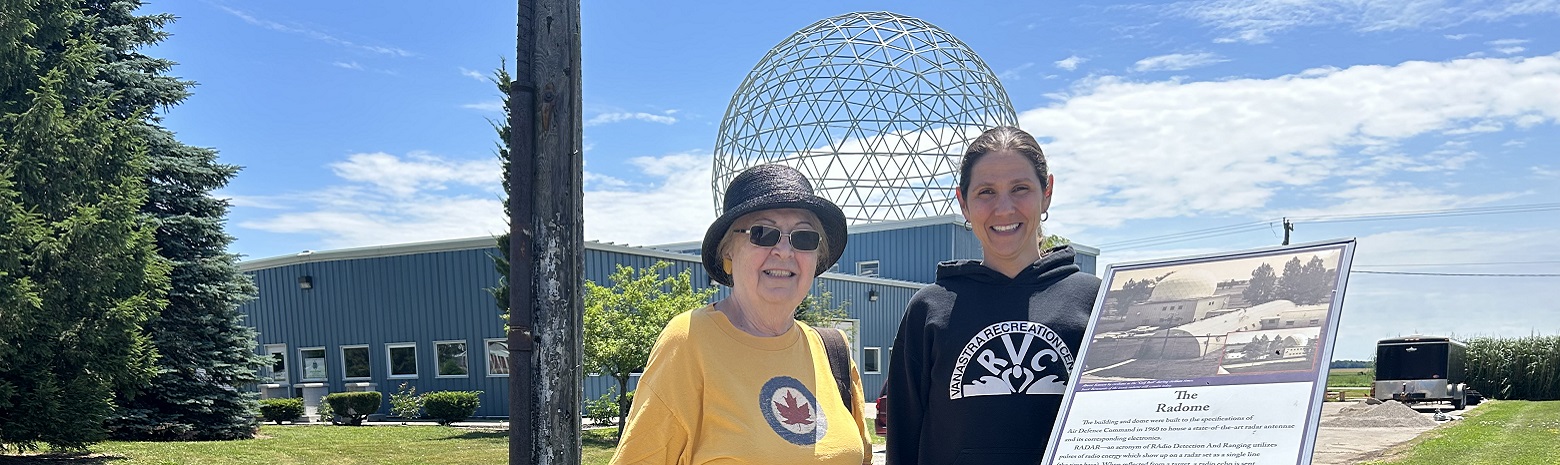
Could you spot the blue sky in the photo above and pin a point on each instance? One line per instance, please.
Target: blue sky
(363, 125)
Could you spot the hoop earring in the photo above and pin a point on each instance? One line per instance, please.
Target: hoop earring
(1045, 215)
(725, 264)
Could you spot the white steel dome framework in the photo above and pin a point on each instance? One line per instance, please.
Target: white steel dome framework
(875, 108)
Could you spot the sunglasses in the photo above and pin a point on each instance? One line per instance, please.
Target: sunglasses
(767, 236)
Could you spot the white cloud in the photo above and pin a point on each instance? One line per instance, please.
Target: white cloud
(1015, 73)
(1124, 150)
(348, 65)
(1393, 197)
(351, 218)
(676, 206)
(1545, 172)
(1177, 61)
(488, 106)
(1506, 42)
(1442, 305)
(1071, 63)
(613, 117)
(416, 173)
(1256, 20)
(1459, 36)
(1510, 50)
(386, 199)
(313, 34)
(473, 74)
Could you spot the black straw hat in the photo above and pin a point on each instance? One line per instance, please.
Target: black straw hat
(767, 187)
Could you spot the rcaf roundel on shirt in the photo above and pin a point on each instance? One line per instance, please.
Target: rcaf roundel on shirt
(792, 411)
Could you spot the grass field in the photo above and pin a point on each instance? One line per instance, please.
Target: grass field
(1496, 433)
(327, 444)
(288, 445)
(1350, 377)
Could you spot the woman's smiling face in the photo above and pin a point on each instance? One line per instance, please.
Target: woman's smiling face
(776, 275)
(1003, 205)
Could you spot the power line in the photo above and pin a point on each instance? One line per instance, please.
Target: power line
(1538, 262)
(1238, 228)
(1439, 213)
(1482, 275)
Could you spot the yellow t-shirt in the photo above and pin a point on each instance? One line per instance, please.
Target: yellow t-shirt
(714, 394)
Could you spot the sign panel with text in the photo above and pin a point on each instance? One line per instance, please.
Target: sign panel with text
(1217, 359)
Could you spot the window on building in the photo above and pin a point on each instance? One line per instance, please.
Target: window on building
(497, 357)
(354, 362)
(452, 358)
(835, 268)
(871, 360)
(276, 370)
(313, 363)
(867, 268)
(403, 359)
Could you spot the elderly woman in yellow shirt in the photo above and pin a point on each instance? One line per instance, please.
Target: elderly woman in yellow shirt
(741, 381)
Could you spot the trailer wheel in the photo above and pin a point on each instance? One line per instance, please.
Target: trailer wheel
(1459, 398)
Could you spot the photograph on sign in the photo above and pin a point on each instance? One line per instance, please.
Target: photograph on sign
(1210, 358)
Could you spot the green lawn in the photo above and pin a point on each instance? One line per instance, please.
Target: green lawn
(1350, 377)
(285, 445)
(1496, 433)
(282, 445)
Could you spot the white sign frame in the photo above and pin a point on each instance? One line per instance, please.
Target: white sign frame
(1260, 402)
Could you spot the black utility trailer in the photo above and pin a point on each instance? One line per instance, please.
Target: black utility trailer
(1417, 369)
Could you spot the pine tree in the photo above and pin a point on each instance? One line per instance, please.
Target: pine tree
(1291, 285)
(1317, 288)
(80, 266)
(207, 354)
(1262, 287)
(500, 292)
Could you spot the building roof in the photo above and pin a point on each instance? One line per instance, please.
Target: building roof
(473, 243)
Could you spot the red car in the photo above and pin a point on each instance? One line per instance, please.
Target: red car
(882, 411)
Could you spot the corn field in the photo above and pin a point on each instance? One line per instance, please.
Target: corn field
(1520, 368)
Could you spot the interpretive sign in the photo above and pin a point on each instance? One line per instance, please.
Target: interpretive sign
(1207, 360)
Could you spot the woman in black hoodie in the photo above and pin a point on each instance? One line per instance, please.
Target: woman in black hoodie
(983, 354)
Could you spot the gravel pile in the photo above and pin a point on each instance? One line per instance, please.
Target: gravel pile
(1389, 414)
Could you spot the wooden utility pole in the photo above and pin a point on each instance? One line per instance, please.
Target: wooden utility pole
(1288, 227)
(546, 236)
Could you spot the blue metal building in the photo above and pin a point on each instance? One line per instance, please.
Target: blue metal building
(373, 318)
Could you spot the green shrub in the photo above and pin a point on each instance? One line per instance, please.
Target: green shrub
(603, 409)
(280, 410)
(354, 406)
(451, 406)
(405, 403)
(324, 411)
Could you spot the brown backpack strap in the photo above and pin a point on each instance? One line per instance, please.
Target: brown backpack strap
(839, 362)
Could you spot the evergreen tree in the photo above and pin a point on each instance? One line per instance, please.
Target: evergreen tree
(80, 266)
(1291, 285)
(1317, 288)
(1262, 287)
(500, 292)
(207, 353)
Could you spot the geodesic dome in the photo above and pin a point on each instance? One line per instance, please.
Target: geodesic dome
(1184, 285)
(875, 108)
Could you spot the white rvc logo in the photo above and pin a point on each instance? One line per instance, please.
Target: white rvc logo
(1012, 357)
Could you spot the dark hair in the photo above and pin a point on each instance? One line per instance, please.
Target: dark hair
(998, 139)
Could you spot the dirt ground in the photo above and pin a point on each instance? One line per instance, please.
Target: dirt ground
(1335, 446)
(1339, 446)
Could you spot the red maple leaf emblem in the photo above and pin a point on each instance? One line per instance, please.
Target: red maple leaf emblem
(794, 414)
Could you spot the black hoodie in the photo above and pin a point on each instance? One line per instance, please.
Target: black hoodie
(981, 361)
